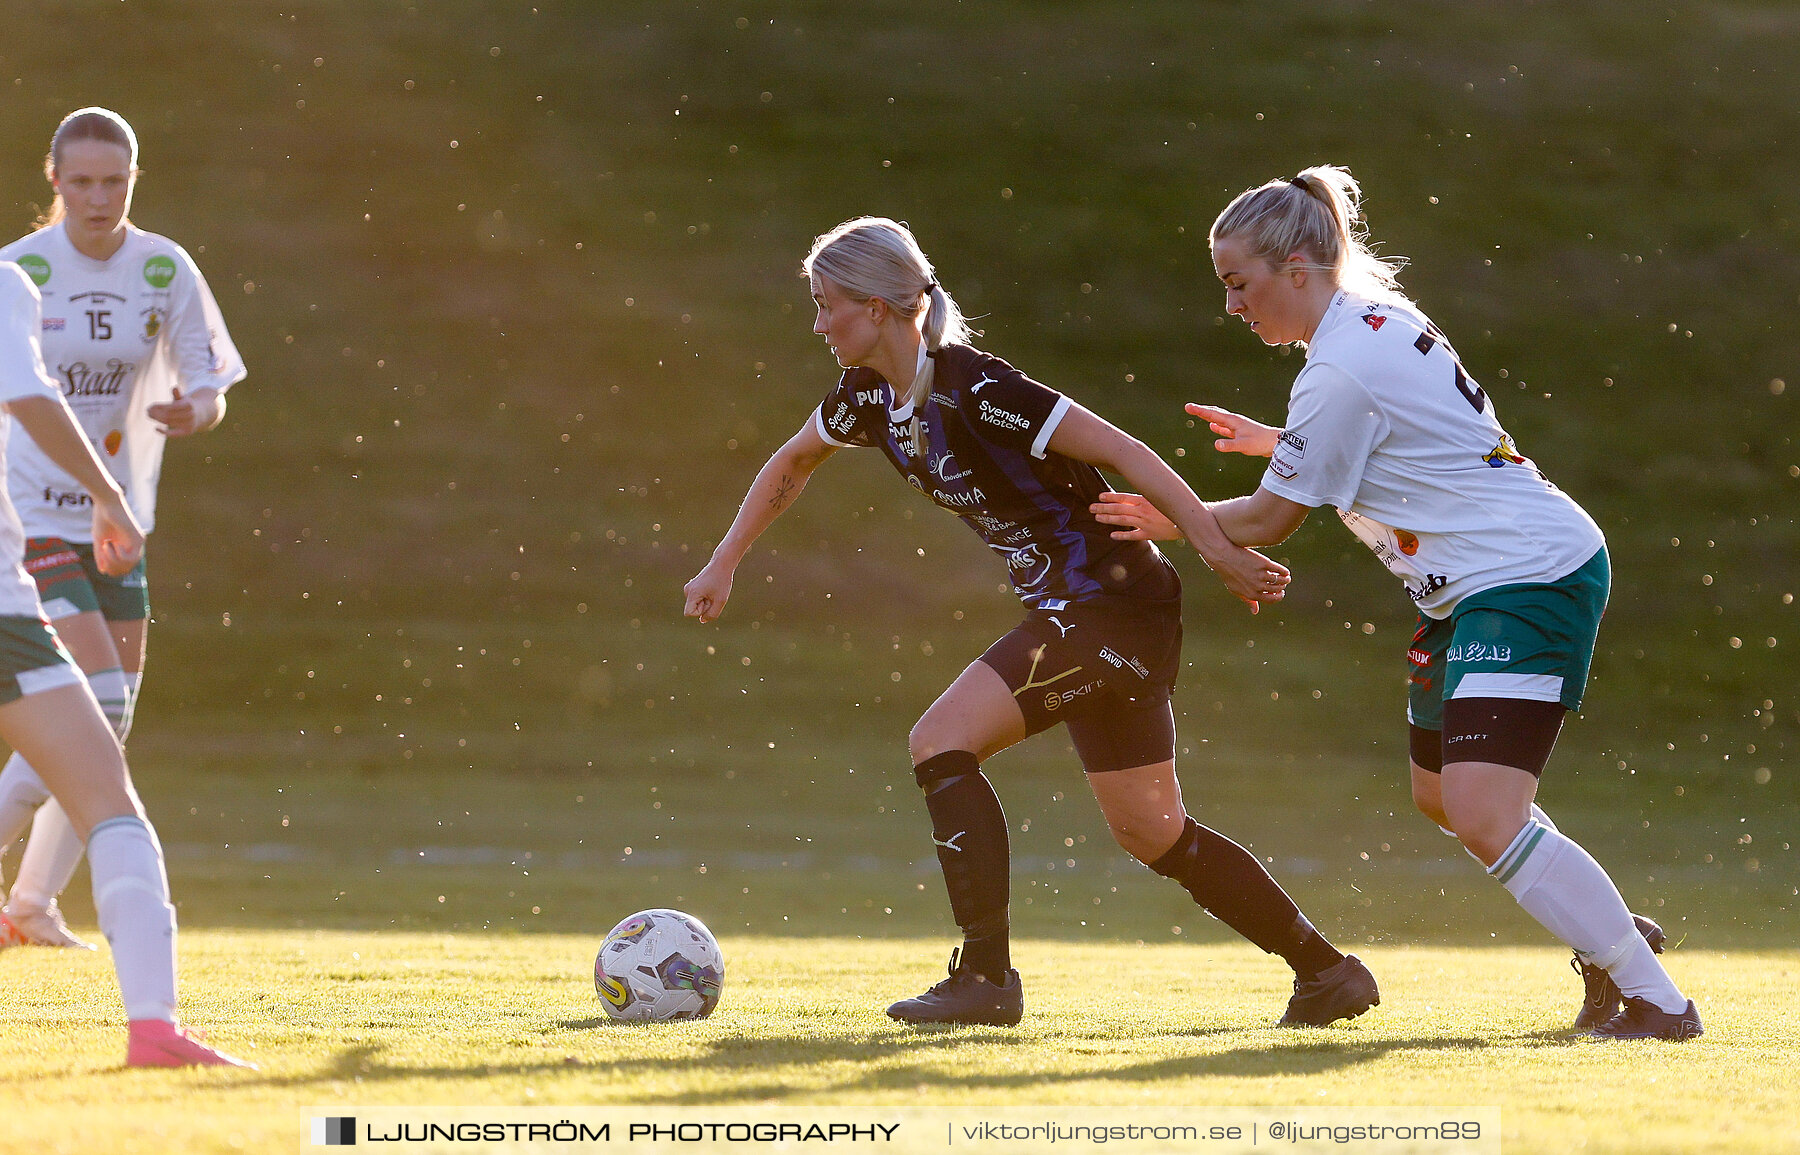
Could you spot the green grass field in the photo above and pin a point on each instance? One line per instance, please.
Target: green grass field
(430, 940)
(516, 288)
(340, 1019)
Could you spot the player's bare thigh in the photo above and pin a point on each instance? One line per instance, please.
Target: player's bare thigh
(1428, 793)
(129, 638)
(976, 713)
(91, 640)
(62, 733)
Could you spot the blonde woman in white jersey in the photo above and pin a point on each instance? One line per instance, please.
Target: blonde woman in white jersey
(134, 338)
(1510, 576)
(48, 712)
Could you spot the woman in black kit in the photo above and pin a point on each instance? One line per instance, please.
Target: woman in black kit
(1100, 644)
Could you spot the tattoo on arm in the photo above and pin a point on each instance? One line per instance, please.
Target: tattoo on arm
(784, 491)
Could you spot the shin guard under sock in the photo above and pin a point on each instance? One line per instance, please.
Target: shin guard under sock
(1559, 884)
(1233, 887)
(131, 894)
(969, 829)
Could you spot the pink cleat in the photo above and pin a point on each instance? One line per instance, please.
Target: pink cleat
(159, 1043)
(11, 935)
(45, 927)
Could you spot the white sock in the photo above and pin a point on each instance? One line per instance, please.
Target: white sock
(114, 695)
(131, 893)
(134, 685)
(1559, 884)
(1543, 819)
(49, 861)
(1640, 973)
(21, 793)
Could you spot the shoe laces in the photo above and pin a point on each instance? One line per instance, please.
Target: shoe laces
(1303, 986)
(1595, 978)
(959, 975)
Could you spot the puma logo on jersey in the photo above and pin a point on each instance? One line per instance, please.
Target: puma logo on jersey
(1057, 622)
(950, 843)
(985, 380)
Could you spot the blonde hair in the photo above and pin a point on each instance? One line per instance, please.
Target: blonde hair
(874, 258)
(101, 124)
(1317, 214)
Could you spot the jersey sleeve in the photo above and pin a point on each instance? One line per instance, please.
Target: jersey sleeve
(841, 420)
(203, 353)
(1333, 426)
(1008, 408)
(22, 372)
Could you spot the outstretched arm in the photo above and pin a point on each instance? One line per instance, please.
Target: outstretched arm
(776, 487)
(1237, 433)
(1246, 573)
(118, 541)
(1260, 518)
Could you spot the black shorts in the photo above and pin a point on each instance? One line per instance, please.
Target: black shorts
(1513, 732)
(1105, 668)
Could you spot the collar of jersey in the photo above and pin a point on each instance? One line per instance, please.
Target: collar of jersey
(1335, 313)
(83, 260)
(905, 411)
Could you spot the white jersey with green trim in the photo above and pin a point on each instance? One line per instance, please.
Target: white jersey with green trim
(21, 375)
(119, 336)
(1386, 425)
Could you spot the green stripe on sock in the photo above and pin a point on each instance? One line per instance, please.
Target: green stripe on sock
(1513, 849)
(1524, 853)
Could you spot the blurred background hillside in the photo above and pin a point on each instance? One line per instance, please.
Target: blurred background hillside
(517, 290)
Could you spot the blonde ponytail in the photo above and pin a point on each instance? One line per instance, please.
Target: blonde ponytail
(874, 258)
(1317, 214)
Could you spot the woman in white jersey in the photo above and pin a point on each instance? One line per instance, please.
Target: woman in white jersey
(1510, 576)
(1100, 645)
(48, 713)
(134, 338)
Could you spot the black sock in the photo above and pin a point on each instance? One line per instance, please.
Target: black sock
(969, 829)
(1232, 885)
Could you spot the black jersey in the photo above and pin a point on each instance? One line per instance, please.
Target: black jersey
(985, 428)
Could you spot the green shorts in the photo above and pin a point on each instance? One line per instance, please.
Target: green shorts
(70, 583)
(32, 658)
(1532, 641)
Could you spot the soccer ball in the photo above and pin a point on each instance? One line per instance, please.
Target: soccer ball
(659, 965)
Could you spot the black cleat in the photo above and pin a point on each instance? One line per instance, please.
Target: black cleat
(1601, 1002)
(1342, 992)
(1643, 1019)
(966, 998)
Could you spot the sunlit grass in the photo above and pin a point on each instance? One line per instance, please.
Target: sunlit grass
(359, 1018)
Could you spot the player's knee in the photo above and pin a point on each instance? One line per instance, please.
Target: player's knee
(1148, 837)
(1484, 831)
(934, 734)
(925, 741)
